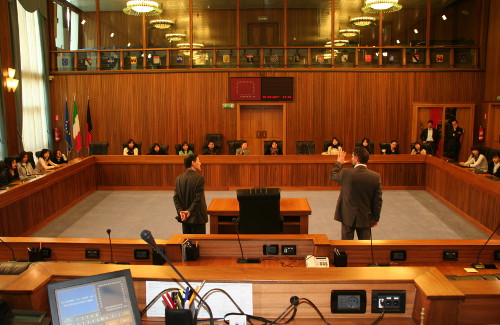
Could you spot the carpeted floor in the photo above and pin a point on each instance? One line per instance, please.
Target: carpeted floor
(405, 215)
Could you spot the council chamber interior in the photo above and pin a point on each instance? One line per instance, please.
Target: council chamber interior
(295, 72)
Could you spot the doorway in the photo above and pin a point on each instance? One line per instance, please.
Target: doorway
(261, 122)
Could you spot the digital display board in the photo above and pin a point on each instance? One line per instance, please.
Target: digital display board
(270, 89)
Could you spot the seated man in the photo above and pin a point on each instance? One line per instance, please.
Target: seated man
(210, 149)
(496, 165)
(243, 151)
(394, 149)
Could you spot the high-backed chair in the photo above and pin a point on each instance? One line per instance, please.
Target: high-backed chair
(259, 211)
(233, 145)
(371, 145)
(98, 148)
(163, 147)
(178, 147)
(267, 146)
(328, 143)
(304, 147)
(138, 145)
(215, 137)
(31, 160)
(384, 146)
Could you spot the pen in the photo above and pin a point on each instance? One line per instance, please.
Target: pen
(193, 294)
(166, 302)
(170, 300)
(186, 296)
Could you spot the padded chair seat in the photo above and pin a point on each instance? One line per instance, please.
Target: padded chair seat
(13, 268)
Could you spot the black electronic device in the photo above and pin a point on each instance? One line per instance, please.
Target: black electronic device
(485, 266)
(348, 301)
(108, 296)
(147, 236)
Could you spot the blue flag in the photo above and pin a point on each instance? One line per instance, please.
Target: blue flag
(67, 133)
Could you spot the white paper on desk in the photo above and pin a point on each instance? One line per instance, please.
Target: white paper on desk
(220, 304)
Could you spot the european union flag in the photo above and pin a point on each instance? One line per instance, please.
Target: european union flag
(67, 133)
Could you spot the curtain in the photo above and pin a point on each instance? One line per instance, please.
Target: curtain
(33, 81)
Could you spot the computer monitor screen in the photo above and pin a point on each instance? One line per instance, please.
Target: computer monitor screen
(107, 298)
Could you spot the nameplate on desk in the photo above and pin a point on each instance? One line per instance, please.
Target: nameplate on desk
(242, 293)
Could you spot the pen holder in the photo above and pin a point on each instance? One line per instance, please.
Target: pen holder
(157, 259)
(191, 253)
(340, 259)
(35, 255)
(178, 317)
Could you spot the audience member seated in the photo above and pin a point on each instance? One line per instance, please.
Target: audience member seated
(365, 143)
(418, 150)
(393, 148)
(495, 170)
(10, 171)
(334, 148)
(184, 151)
(156, 149)
(476, 160)
(210, 149)
(24, 167)
(131, 148)
(58, 157)
(243, 151)
(44, 163)
(274, 149)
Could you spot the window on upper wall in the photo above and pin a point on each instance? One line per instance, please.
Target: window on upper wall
(119, 30)
(261, 23)
(453, 22)
(171, 27)
(214, 23)
(345, 30)
(405, 27)
(309, 23)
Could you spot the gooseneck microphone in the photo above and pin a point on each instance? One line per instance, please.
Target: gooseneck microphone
(371, 249)
(243, 260)
(485, 266)
(11, 250)
(147, 236)
(110, 246)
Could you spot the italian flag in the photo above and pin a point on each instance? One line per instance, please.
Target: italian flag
(76, 127)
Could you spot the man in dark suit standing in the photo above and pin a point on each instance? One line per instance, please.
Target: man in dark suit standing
(189, 197)
(430, 135)
(453, 140)
(360, 200)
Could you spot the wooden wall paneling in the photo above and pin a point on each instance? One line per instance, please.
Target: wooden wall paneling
(493, 126)
(492, 71)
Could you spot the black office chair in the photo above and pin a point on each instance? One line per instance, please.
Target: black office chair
(304, 147)
(267, 147)
(371, 145)
(138, 145)
(259, 211)
(215, 137)
(233, 145)
(163, 147)
(98, 148)
(178, 147)
(384, 146)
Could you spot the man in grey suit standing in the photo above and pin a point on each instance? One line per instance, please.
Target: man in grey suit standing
(360, 200)
(189, 197)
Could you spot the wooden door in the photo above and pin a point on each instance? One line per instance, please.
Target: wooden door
(264, 34)
(259, 123)
(493, 127)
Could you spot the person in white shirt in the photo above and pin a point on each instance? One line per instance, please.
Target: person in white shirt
(476, 160)
(44, 162)
(334, 148)
(130, 149)
(24, 167)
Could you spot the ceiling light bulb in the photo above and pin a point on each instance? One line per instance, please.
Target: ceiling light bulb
(415, 31)
(112, 35)
(83, 22)
(444, 17)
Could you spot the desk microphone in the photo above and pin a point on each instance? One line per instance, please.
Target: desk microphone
(147, 236)
(110, 246)
(243, 260)
(371, 249)
(11, 250)
(485, 266)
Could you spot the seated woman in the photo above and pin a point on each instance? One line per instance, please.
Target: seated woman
(243, 151)
(157, 150)
(394, 148)
(24, 167)
(210, 149)
(476, 160)
(273, 149)
(185, 149)
(10, 172)
(496, 165)
(334, 148)
(130, 149)
(365, 143)
(44, 163)
(59, 158)
(418, 150)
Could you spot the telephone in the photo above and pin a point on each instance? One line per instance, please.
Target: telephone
(313, 261)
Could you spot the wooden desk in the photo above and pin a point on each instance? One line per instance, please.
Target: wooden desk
(295, 213)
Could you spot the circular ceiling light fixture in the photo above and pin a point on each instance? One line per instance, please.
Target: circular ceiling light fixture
(376, 6)
(174, 37)
(362, 21)
(349, 32)
(161, 23)
(138, 7)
